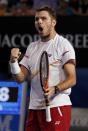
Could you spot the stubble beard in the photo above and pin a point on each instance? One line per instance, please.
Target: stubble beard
(46, 37)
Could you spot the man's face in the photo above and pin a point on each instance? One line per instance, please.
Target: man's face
(44, 23)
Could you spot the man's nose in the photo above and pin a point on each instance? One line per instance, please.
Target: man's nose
(40, 21)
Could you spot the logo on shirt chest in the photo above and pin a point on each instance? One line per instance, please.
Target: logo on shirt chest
(49, 55)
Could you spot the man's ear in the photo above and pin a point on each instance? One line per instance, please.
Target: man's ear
(54, 22)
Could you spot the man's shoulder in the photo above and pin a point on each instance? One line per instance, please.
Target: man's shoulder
(32, 44)
(63, 39)
(63, 43)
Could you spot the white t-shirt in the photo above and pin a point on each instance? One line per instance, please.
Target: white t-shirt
(60, 51)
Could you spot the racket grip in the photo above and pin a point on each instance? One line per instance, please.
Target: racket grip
(48, 114)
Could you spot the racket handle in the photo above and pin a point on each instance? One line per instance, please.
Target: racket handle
(48, 114)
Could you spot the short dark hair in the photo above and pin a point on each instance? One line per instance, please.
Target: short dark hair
(49, 10)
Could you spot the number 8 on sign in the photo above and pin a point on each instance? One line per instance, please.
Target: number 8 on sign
(4, 94)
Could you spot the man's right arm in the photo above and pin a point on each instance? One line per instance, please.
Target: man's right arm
(19, 73)
(22, 75)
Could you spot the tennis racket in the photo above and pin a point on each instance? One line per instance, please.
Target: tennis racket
(44, 74)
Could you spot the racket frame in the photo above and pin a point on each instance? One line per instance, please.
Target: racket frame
(48, 114)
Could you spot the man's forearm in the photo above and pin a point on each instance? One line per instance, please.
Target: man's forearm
(70, 82)
(16, 71)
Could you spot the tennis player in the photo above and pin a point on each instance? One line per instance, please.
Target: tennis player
(62, 74)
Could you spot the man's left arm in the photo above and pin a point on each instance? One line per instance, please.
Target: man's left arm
(70, 80)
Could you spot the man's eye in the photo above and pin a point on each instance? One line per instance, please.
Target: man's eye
(36, 19)
(44, 18)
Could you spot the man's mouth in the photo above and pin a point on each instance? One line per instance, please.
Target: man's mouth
(40, 29)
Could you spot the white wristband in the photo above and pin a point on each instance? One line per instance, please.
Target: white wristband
(15, 69)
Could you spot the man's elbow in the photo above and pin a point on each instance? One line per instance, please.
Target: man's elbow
(74, 81)
(18, 79)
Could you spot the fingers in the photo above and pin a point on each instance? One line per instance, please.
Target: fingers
(46, 91)
(15, 54)
(49, 91)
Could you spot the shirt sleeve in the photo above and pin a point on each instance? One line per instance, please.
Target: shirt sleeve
(26, 58)
(68, 52)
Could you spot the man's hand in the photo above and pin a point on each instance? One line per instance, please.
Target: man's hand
(50, 92)
(15, 54)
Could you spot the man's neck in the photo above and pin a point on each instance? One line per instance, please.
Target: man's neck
(48, 37)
